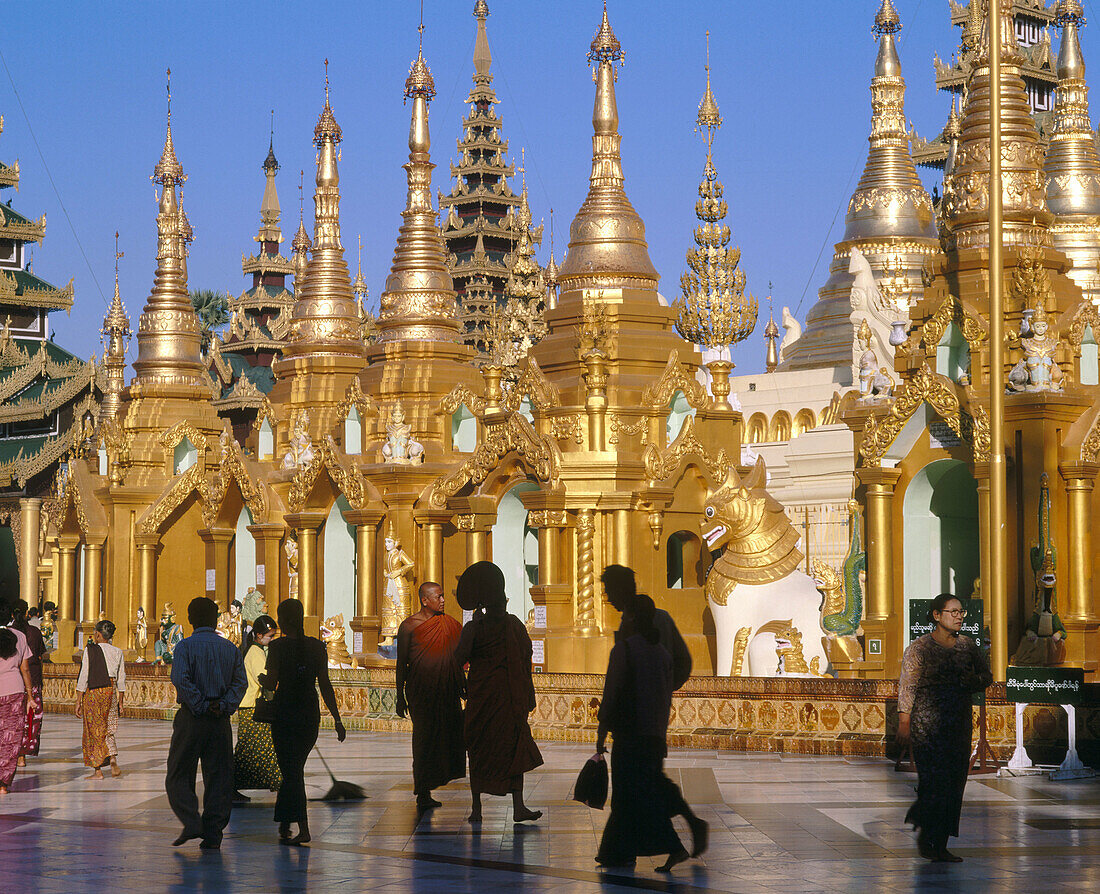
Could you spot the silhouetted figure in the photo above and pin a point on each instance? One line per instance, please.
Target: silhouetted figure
(297, 666)
(208, 674)
(637, 699)
(621, 591)
(499, 692)
(940, 671)
(429, 689)
(32, 736)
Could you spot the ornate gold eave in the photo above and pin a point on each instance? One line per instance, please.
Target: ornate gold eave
(265, 263)
(687, 449)
(24, 467)
(354, 396)
(538, 453)
(347, 478)
(675, 377)
(51, 298)
(46, 403)
(951, 310)
(941, 394)
(532, 384)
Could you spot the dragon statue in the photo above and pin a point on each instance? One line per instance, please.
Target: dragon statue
(843, 608)
(755, 582)
(334, 636)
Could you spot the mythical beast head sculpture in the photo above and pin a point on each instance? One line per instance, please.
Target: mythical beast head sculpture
(741, 516)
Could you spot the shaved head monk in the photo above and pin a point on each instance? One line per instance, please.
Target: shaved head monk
(429, 689)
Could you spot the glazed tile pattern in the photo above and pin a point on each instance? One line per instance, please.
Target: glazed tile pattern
(790, 716)
(779, 823)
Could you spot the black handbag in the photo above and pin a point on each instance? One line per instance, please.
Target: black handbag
(591, 786)
(264, 712)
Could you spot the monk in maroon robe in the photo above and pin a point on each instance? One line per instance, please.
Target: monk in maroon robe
(429, 690)
(500, 693)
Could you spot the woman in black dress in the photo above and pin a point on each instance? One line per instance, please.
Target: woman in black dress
(499, 692)
(297, 665)
(940, 672)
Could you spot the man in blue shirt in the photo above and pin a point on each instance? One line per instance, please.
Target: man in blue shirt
(208, 673)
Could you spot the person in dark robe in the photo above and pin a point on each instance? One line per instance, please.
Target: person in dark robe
(621, 590)
(940, 671)
(429, 690)
(500, 693)
(637, 700)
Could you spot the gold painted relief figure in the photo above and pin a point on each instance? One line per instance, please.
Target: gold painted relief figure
(141, 634)
(291, 550)
(229, 623)
(396, 605)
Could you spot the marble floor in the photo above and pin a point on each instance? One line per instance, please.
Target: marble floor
(778, 824)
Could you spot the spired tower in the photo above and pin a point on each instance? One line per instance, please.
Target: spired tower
(482, 220)
(324, 351)
(116, 334)
(890, 233)
(259, 324)
(1072, 165)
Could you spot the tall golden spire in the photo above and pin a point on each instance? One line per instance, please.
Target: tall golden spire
(419, 300)
(966, 190)
(1072, 164)
(890, 199)
(269, 207)
(169, 333)
(607, 245)
(115, 334)
(325, 317)
(301, 243)
(713, 310)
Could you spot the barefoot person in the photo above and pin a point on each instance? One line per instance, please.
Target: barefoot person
(429, 690)
(499, 692)
(208, 673)
(637, 700)
(32, 736)
(100, 689)
(15, 695)
(621, 591)
(940, 671)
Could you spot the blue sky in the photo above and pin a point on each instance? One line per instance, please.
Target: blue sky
(791, 79)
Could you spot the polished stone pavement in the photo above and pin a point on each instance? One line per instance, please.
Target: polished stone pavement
(778, 824)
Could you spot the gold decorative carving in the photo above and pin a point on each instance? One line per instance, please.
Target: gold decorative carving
(586, 571)
(171, 438)
(515, 435)
(533, 384)
(660, 464)
(184, 485)
(547, 518)
(465, 522)
(355, 397)
(459, 395)
(619, 427)
(231, 468)
(658, 395)
(924, 387)
(567, 428)
(1085, 316)
(348, 479)
(740, 643)
(974, 330)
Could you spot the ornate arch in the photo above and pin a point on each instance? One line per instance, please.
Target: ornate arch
(347, 478)
(687, 448)
(973, 328)
(1084, 316)
(533, 384)
(354, 396)
(232, 469)
(171, 438)
(926, 387)
(191, 481)
(514, 435)
(459, 395)
(658, 395)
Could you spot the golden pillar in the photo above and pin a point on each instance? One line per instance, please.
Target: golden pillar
(269, 557)
(217, 542)
(882, 623)
(981, 475)
(1079, 616)
(93, 584)
(30, 518)
(430, 564)
(66, 592)
(479, 547)
(146, 545)
(367, 621)
(595, 377)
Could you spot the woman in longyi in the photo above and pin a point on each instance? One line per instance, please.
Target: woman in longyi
(100, 689)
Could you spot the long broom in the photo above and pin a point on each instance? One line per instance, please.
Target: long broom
(340, 791)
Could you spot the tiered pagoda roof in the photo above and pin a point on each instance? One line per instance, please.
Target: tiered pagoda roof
(45, 391)
(260, 317)
(481, 221)
(1032, 20)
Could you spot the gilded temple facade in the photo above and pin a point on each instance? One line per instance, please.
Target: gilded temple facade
(372, 464)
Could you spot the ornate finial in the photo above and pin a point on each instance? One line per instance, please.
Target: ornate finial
(327, 128)
(116, 322)
(709, 116)
(605, 45)
(271, 163)
(301, 196)
(714, 310)
(420, 82)
(972, 30)
(771, 333)
(481, 10)
(953, 130)
(887, 21)
(1070, 11)
(118, 256)
(168, 169)
(359, 287)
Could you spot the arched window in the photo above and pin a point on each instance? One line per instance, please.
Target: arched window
(683, 561)
(1090, 359)
(758, 428)
(804, 420)
(780, 429)
(185, 456)
(953, 354)
(353, 433)
(463, 429)
(526, 410)
(267, 440)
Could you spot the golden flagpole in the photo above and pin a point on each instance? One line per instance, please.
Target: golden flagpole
(998, 577)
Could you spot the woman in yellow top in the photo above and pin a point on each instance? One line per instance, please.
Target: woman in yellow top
(254, 758)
